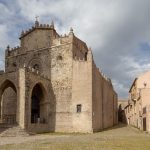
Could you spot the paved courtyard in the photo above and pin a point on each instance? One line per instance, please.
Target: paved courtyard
(120, 137)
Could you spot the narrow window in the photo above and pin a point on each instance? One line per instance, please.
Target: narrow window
(85, 57)
(79, 106)
(59, 58)
(36, 67)
(14, 64)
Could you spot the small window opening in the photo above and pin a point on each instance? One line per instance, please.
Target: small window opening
(36, 67)
(59, 58)
(14, 64)
(75, 55)
(85, 56)
(79, 107)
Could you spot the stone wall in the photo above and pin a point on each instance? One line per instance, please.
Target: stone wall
(97, 99)
(108, 107)
(77, 97)
(9, 81)
(82, 95)
(61, 78)
(104, 101)
(115, 102)
(9, 102)
(9, 106)
(49, 103)
(40, 57)
(35, 40)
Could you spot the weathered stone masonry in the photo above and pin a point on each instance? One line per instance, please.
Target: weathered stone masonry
(55, 85)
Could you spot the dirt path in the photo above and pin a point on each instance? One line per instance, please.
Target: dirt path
(17, 140)
(120, 137)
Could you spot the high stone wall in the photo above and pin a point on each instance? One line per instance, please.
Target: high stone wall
(97, 98)
(82, 95)
(104, 101)
(61, 78)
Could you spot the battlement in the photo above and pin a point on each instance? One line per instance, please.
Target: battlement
(102, 74)
(12, 51)
(80, 44)
(41, 26)
(37, 26)
(62, 39)
(70, 37)
(80, 59)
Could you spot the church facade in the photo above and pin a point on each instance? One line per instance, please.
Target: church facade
(51, 83)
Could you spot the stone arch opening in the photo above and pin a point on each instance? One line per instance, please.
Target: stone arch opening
(38, 104)
(8, 102)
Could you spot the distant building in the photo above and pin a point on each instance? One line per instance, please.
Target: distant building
(121, 110)
(51, 83)
(138, 109)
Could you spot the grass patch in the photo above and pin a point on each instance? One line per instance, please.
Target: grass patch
(125, 138)
(108, 144)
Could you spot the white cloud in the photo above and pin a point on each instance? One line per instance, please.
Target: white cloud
(137, 69)
(3, 36)
(113, 29)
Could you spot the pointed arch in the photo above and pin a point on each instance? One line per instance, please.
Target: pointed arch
(8, 102)
(7, 83)
(38, 105)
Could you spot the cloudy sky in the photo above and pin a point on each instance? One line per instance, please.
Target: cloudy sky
(117, 30)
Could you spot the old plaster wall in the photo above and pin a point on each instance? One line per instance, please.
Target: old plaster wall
(143, 79)
(145, 94)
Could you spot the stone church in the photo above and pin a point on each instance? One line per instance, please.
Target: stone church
(51, 84)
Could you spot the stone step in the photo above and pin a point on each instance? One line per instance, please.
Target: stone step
(2, 129)
(13, 132)
(5, 125)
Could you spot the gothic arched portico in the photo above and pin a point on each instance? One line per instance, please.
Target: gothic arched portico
(39, 104)
(8, 102)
